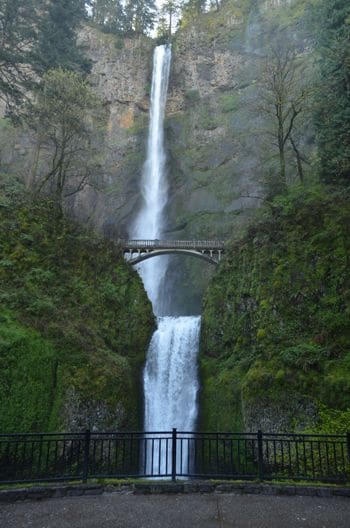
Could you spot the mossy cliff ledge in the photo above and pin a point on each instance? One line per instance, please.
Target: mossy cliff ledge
(75, 323)
(275, 337)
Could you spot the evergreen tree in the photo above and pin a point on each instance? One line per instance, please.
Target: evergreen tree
(109, 14)
(140, 16)
(192, 8)
(333, 97)
(169, 13)
(57, 39)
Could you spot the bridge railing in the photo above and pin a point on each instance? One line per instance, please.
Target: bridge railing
(171, 454)
(172, 244)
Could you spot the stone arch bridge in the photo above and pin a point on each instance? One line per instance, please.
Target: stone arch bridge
(140, 250)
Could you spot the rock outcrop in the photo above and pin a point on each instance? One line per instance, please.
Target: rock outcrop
(121, 76)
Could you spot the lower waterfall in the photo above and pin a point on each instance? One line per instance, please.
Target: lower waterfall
(171, 381)
(170, 375)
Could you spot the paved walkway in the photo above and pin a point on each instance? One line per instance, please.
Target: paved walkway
(126, 510)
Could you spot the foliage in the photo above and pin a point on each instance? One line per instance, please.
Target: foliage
(66, 117)
(126, 18)
(276, 315)
(193, 8)
(25, 392)
(36, 36)
(304, 356)
(75, 324)
(168, 18)
(332, 114)
(229, 103)
(56, 42)
(332, 421)
(109, 15)
(192, 96)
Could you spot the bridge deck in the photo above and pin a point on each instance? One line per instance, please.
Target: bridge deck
(198, 245)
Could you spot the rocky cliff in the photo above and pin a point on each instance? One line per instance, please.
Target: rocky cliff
(217, 146)
(220, 133)
(121, 75)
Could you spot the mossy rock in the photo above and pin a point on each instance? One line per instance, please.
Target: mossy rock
(74, 330)
(276, 318)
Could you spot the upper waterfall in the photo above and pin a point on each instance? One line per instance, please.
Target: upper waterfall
(149, 222)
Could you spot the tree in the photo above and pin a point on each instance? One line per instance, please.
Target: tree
(109, 15)
(56, 45)
(66, 119)
(192, 8)
(17, 35)
(283, 97)
(169, 12)
(332, 115)
(140, 16)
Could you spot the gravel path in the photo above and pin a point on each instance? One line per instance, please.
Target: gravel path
(126, 510)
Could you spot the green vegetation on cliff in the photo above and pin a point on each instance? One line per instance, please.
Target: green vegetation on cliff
(275, 339)
(276, 332)
(74, 326)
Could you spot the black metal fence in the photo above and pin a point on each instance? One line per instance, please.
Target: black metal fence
(38, 457)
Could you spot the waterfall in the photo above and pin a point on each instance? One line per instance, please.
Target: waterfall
(149, 223)
(170, 374)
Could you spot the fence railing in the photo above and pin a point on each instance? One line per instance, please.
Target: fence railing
(38, 457)
(172, 244)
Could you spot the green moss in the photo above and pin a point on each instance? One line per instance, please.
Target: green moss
(277, 313)
(75, 326)
(192, 97)
(229, 102)
(27, 376)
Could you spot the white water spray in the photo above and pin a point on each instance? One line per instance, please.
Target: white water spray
(170, 375)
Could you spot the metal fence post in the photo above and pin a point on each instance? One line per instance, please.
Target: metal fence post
(87, 436)
(348, 444)
(173, 457)
(260, 455)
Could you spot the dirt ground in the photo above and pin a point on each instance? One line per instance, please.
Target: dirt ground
(126, 510)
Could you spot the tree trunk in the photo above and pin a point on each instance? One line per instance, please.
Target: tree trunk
(299, 161)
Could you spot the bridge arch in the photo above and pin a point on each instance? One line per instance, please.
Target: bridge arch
(159, 252)
(140, 250)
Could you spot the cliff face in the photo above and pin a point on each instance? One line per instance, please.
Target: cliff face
(121, 71)
(220, 132)
(217, 146)
(209, 170)
(121, 76)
